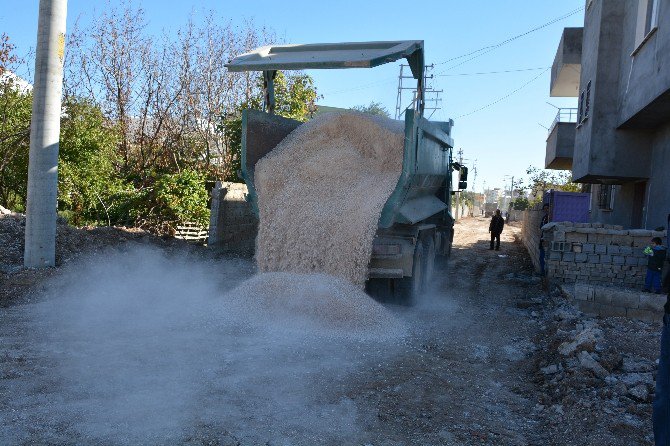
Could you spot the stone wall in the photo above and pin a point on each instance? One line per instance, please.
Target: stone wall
(233, 225)
(590, 253)
(609, 301)
(598, 254)
(530, 235)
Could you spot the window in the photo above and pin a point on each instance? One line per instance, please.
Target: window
(584, 106)
(606, 197)
(587, 100)
(647, 21)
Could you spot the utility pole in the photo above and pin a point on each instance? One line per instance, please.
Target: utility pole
(40, 238)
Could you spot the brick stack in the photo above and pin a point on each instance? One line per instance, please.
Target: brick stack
(233, 225)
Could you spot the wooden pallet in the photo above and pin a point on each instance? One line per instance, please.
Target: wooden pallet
(192, 232)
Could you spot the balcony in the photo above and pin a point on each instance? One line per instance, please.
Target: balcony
(561, 140)
(567, 66)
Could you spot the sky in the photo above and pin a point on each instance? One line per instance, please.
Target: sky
(501, 118)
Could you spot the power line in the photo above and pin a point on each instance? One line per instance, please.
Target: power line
(504, 97)
(493, 72)
(487, 49)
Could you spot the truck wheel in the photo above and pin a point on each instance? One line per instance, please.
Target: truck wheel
(428, 242)
(408, 289)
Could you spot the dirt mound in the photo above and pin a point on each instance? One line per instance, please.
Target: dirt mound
(321, 192)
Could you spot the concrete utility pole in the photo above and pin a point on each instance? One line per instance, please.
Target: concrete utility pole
(40, 246)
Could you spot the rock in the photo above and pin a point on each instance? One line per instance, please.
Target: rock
(639, 393)
(550, 369)
(558, 408)
(631, 365)
(587, 362)
(565, 315)
(585, 340)
(633, 379)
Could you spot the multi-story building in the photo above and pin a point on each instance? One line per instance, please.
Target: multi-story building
(617, 140)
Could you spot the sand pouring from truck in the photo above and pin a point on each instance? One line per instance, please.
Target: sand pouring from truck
(416, 224)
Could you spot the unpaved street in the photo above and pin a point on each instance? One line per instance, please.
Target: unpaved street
(138, 347)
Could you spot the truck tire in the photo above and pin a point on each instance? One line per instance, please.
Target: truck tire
(408, 289)
(428, 267)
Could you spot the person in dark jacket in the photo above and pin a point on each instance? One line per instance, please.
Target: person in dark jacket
(656, 253)
(661, 405)
(496, 228)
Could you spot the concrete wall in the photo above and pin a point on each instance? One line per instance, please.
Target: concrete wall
(560, 146)
(233, 225)
(621, 213)
(658, 192)
(645, 76)
(626, 138)
(599, 148)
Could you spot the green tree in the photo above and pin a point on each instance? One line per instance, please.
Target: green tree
(520, 203)
(295, 98)
(374, 108)
(89, 188)
(173, 199)
(541, 180)
(15, 111)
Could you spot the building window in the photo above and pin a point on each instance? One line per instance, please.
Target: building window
(647, 21)
(584, 106)
(587, 100)
(606, 197)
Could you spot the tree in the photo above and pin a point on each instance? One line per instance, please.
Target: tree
(520, 204)
(295, 98)
(15, 111)
(541, 180)
(88, 184)
(374, 108)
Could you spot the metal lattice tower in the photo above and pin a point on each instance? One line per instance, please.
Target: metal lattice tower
(432, 97)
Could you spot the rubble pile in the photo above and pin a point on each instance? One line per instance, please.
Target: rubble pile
(597, 371)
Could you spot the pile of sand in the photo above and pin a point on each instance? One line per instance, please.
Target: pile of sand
(321, 192)
(314, 304)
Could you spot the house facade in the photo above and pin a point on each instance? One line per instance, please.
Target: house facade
(617, 140)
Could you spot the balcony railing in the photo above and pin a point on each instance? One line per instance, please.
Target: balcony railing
(564, 115)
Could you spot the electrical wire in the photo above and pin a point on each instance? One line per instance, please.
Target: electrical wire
(487, 49)
(493, 72)
(511, 93)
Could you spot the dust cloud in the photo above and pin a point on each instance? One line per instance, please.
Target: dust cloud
(136, 346)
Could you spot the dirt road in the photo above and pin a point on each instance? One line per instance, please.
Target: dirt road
(183, 372)
(467, 376)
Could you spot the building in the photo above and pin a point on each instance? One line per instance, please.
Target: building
(617, 140)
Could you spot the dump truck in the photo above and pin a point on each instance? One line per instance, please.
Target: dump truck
(416, 227)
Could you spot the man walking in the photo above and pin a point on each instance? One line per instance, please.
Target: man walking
(496, 228)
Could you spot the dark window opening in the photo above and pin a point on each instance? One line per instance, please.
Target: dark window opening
(605, 197)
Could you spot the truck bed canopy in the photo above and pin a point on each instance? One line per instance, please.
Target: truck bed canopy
(331, 55)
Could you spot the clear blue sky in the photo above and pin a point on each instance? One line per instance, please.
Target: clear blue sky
(504, 138)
